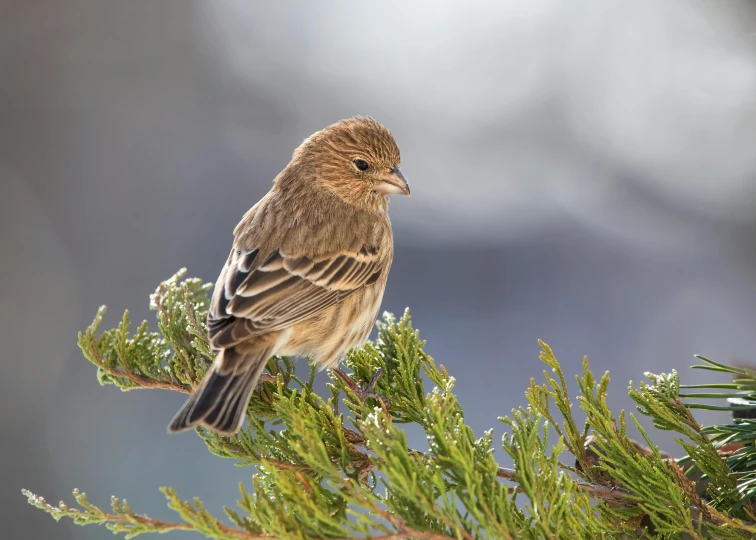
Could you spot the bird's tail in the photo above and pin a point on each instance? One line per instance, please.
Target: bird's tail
(221, 399)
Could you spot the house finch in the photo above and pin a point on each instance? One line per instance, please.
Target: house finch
(307, 270)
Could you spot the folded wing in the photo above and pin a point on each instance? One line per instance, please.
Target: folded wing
(253, 297)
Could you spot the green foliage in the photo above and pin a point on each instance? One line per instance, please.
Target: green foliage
(733, 440)
(337, 467)
(122, 519)
(557, 507)
(175, 357)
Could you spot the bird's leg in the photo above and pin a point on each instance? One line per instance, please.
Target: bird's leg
(368, 391)
(265, 377)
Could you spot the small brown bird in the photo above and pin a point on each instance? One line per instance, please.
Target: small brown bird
(307, 270)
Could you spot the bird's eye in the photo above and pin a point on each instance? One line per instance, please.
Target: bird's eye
(361, 164)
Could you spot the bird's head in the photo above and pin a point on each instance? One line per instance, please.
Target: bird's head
(357, 159)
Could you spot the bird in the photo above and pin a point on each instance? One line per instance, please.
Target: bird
(307, 270)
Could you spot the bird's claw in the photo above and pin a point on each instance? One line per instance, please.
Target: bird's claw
(265, 377)
(368, 391)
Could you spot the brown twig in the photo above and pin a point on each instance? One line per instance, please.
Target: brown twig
(606, 493)
(405, 534)
(405, 531)
(689, 488)
(158, 525)
(145, 382)
(277, 463)
(166, 526)
(136, 519)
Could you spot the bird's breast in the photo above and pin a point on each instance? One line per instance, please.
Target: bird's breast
(328, 335)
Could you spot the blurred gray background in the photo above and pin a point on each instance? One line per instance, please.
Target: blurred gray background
(582, 172)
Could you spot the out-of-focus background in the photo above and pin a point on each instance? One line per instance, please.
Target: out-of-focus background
(582, 172)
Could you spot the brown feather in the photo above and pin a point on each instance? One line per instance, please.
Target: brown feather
(307, 270)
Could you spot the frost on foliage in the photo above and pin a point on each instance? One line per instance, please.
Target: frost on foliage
(334, 467)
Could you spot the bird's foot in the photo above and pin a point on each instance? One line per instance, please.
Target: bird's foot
(265, 377)
(368, 391)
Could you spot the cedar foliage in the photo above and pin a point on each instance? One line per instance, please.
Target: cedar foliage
(335, 467)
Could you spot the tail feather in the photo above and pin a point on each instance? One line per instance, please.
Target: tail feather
(228, 416)
(221, 399)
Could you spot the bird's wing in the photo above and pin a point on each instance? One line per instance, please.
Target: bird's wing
(253, 297)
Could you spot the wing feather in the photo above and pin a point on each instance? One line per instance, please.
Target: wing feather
(282, 290)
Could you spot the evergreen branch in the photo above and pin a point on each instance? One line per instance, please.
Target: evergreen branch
(612, 494)
(604, 493)
(661, 401)
(124, 520)
(140, 381)
(345, 475)
(405, 531)
(144, 382)
(540, 398)
(120, 359)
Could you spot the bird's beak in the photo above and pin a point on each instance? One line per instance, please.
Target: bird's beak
(393, 183)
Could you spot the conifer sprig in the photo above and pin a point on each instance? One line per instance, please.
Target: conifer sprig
(336, 467)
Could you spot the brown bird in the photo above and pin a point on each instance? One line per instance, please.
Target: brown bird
(307, 270)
